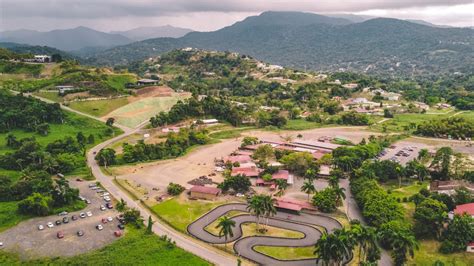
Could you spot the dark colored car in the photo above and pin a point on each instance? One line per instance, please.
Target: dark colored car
(60, 234)
(80, 233)
(65, 220)
(109, 205)
(74, 217)
(121, 226)
(58, 222)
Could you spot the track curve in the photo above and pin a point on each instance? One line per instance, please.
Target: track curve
(244, 247)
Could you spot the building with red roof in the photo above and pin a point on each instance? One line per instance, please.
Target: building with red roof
(239, 159)
(246, 171)
(281, 174)
(293, 205)
(465, 208)
(203, 192)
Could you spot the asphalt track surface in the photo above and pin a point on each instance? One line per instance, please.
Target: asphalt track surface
(244, 247)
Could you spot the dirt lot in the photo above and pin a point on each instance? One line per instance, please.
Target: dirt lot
(29, 242)
(153, 178)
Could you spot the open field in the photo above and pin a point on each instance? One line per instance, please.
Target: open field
(283, 253)
(428, 254)
(400, 121)
(9, 216)
(134, 248)
(133, 114)
(53, 96)
(99, 108)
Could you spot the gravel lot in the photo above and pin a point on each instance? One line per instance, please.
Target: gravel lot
(26, 240)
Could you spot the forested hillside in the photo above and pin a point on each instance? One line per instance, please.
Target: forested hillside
(321, 43)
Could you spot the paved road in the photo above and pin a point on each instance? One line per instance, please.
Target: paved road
(187, 243)
(245, 246)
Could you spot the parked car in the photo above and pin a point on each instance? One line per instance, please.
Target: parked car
(40, 227)
(107, 199)
(104, 220)
(78, 180)
(65, 220)
(74, 217)
(58, 222)
(82, 215)
(60, 234)
(102, 208)
(82, 198)
(110, 219)
(89, 214)
(88, 201)
(118, 233)
(99, 227)
(121, 226)
(80, 233)
(62, 213)
(1, 244)
(109, 205)
(50, 225)
(106, 194)
(92, 185)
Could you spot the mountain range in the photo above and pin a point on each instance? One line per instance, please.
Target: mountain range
(306, 40)
(143, 33)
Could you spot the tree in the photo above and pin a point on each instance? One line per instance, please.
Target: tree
(269, 207)
(256, 207)
(105, 157)
(387, 113)
(340, 194)
(299, 162)
(225, 224)
(174, 189)
(311, 173)
(463, 196)
(263, 153)
(429, 216)
(110, 121)
(249, 141)
(238, 183)
(43, 129)
(132, 216)
(121, 205)
(149, 227)
(333, 181)
(308, 188)
(12, 142)
(57, 58)
(366, 239)
(417, 169)
(90, 139)
(402, 245)
(459, 232)
(441, 163)
(325, 200)
(282, 185)
(36, 204)
(333, 249)
(423, 154)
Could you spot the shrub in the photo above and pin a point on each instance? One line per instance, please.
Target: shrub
(174, 189)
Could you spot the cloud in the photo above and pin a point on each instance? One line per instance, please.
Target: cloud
(205, 14)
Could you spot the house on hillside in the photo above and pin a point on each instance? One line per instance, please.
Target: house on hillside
(64, 88)
(350, 86)
(147, 82)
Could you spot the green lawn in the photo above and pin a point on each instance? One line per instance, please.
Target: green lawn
(74, 123)
(398, 123)
(53, 96)
(99, 108)
(135, 248)
(118, 81)
(300, 124)
(228, 134)
(428, 254)
(286, 253)
(180, 214)
(405, 190)
(468, 115)
(9, 216)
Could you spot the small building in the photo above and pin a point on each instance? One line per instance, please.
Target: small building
(246, 171)
(207, 121)
(39, 59)
(147, 82)
(238, 159)
(202, 192)
(283, 174)
(350, 86)
(293, 206)
(64, 88)
(449, 187)
(470, 247)
(170, 129)
(465, 209)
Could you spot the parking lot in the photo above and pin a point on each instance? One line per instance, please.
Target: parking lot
(403, 152)
(30, 242)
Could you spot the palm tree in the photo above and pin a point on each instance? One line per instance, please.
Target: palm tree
(308, 188)
(366, 238)
(225, 224)
(310, 174)
(121, 205)
(333, 181)
(340, 195)
(255, 206)
(282, 184)
(333, 249)
(402, 244)
(269, 207)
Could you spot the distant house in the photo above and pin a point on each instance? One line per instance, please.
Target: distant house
(39, 59)
(292, 205)
(470, 247)
(465, 209)
(283, 174)
(246, 171)
(170, 129)
(147, 82)
(202, 192)
(239, 159)
(350, 86)
(210, 121)
(449, 187)
(63, 88)
(391, 96)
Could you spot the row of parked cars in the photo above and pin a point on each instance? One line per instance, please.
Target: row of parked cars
(99, 227)
(103, 193)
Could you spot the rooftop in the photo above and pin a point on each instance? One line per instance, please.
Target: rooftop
(465, 208)
(205, 190)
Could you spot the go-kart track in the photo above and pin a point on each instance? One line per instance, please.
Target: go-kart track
(244, 247)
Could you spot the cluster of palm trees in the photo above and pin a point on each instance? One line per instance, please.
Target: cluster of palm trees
(261, 205)
(337, 247)
(333, 181)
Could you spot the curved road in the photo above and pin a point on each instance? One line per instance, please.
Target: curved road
(245, 246)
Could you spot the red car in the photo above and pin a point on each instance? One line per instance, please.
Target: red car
(118, 233)
(104, 220)
(60, 234)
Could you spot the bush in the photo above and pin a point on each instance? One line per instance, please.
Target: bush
(174, 189)
(325, 200)
(36, 204)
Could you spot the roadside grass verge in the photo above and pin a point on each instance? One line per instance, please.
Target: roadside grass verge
(99, 108)
(134, 248)
(53, 96)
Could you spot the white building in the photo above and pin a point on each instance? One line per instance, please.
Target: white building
(43, 58)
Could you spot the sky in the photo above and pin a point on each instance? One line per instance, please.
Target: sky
(208, 15)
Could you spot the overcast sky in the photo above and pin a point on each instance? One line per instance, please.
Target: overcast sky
(206, 15)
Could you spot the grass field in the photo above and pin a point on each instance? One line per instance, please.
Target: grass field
(133, 114)
(229, 133)
(134, 248)
(398, 123)
(118, 81)
(300, 124)
(428, 254)
(53, 96)
(285, 253)
(179, 213)
(9, 216)
(99, 108)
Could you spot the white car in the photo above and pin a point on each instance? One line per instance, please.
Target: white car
(40, 227)
(106, 194)
(107, 199)
(50, 225)
(89, 214)
(110, 219)
(99, 227)
(102, 208)
(1, 244)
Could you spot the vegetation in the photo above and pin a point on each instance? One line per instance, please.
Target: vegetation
(174, 189)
